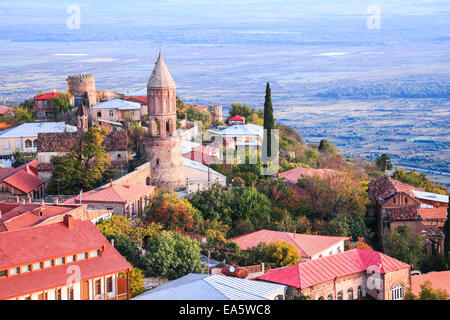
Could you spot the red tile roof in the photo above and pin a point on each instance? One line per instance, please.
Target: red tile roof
(47, 95)
(433, 213)
(439, 280)
(385, 186)
(119, 193)
(308, 245)
(199, 108)
(294, 174)
(138, 99)
(5, 109)
(313, 272)
(202, 157)
(43, 242)
(236, 118)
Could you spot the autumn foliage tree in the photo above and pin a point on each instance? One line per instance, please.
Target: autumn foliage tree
(427, 292)
(172, 213)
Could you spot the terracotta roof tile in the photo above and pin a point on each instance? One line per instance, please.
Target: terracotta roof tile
(119, 193)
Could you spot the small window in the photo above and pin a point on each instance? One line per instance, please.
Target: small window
(99, 114)
(70, 259)
(3, 273)
(6, 145)
(360, 292)
(91, 207)
(321, 298)
(82, 256)
(98, 287)
(37, 266)
(48, 263)
(111, 113)
(406, 200)
(13, 271)
(395, 201)
(18, 144)
(119, 156)
(58, 294)
(26, 268)
(330, 296)
(350, 294)
(93, 253)
(109, 208)
(340, 295)
(59, 261)
(109, 284)
(70, 295)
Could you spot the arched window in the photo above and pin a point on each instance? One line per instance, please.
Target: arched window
(157, 128)
(330, 296)
(397, 292)
(360, 292)
(35, 143)
(321, 298)
(167, 128)
(340, 295)
(147, 181)
(350, 294)
(28, 144)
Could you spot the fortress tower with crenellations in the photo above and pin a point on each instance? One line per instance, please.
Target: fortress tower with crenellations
(82, 89)
(163, 145)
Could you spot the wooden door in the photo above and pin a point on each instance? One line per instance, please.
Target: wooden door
(85, 290)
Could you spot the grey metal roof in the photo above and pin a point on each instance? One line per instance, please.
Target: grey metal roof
(117, 104)
(160, 77)
(242, 131)
(32, 129)
(212, 287)
(138, 93)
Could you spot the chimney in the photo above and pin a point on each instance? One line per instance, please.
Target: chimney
(55, 201)
(42, 202)
(112, 242)
(295, 231)
(68, 221)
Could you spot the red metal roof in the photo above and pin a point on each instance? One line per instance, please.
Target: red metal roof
(138, 99)
(236, 118)
(202, 157)
(47, 95)
(308, 245)
(199, 108)
(119, 193)
(439, 280)
(53, 240)
(17, 216)
(313, 272)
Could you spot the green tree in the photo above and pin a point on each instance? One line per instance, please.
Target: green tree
(383, 162)
(136, 282)
(86, 166)
(23, 114)
(402, 245)
(269, 120)
(196, 115)
(345, 225)
(61, 103)
(327, 148)
(418, 180)
(172, 255)
(240, 110)
(427, 293)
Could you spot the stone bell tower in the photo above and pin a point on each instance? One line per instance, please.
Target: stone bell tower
(163, 145)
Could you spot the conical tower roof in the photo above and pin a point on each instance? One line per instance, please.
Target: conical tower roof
(161, 77)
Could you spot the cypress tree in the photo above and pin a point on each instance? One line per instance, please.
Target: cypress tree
(269, 121)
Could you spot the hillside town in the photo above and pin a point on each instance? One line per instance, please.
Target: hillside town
(143, 196)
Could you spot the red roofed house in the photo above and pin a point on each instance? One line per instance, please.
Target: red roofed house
(349, 275)
(124, 199)
(69, 260)
(22, 181)
(42, 106)
(6, 110)
(439, 280)
(24, 214)
(398, 203)
(310, 246)
(236, 120)
(291, 176)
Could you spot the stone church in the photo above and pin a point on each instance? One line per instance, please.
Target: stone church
(163, 144)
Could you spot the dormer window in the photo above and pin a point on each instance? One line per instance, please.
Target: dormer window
(82, 256)
(26, 268)
(37, 266)
(59, 261)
